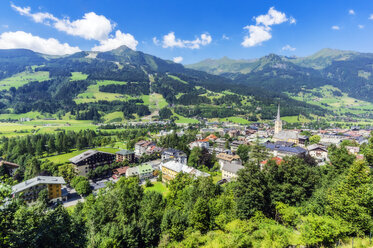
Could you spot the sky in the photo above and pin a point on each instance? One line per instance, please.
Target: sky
(188, 31)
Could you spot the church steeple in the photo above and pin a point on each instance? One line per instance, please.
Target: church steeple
(278, 122)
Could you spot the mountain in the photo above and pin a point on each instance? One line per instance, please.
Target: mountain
(127, 84)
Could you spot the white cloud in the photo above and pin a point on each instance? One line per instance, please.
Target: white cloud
(371, 17)
(288, 48)
(90, 27)
(360, 26)
(20, 39)
(178, 59)
(257, 35)
(170, 40)
(271, 18)
(5, 26)
(120, 39)
(335, 27)
(225, 37)
(262, 30)
(351, 12)
(156, 41)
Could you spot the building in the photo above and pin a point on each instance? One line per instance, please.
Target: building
(29, 190)
(145, 171)
(90, 160)
(318, 152)
(228, 159)
(171, 168)
(278, 122)
(281, 150)
(10, 168)
(229, 171)
(175, 155)
(200, 143)
(353, 149)
(123, 155)
(132, 172)
(119, 172)
(284, 135)
(141, 146)
(277, 160)
(153, 149)
(235, 144)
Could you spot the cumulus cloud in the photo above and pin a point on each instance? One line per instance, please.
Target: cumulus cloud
(20, 39)
(360, 26)
(118, 40)
(170, 40)
(90, 27)
(288, 48)
(261, 31)
(351, 12)
(156, 41)
(371, 17)
(335, 27)
(225, 37)
(178, 59)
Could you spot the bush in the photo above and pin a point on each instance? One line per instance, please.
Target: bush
(148, 183)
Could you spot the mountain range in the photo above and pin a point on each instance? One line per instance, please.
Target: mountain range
(96, 85)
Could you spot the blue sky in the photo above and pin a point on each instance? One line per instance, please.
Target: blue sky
(188, 31)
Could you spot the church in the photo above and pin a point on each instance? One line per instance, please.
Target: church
(284, 135)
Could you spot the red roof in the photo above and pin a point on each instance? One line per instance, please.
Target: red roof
(121, 170)
(211, 137)
(277, 159)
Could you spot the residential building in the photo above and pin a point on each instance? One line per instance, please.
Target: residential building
(282, 150)
(353, 149)
(132, 172)
(175, 155)
(171, 168)
(153, 149)
(90, 160)
(145, 171)
(29, 190)
(141, 146)
(229, 171)
(119, 172)
(10, 168)
(123, 155)
(235, 144)
(228, 159)
(200, 143)
(318, 152)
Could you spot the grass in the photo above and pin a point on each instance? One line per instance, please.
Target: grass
(75, 76)
(92, 94)
(114, 116)
(178, 79)
(23, 78)
(294, 119)
(216, 177)
(158, 187)
(107, 82)
(64, 158)
(234, 119)
(185, 120)
(31, 115)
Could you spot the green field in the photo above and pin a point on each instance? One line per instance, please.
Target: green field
(75, 76)
(158, 187)
(178, 79)
(92, 94)
(238, 120)
(64, 158)
(294, 119)
(23, 78)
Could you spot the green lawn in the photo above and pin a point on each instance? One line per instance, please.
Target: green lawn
(75, 76)
(238, 120)
(294, 119)
(178, 79)
(107, 82)
(23, 78)
(64, 158)
(158, 187)
(92, 94)
(186, 120)
(114, 116)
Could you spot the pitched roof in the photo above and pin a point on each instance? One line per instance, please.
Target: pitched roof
(211, 137)
(3, 162)
(121, 170)
(233, 168)
(286, 134)
(86, 155)
(145, 168)
(132, 171)
(35, 181)
(125, 152)
(227, 157)
(288, 149)
(316, 146)
(276, 159)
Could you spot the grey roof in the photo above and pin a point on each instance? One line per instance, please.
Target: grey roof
(287, 149)
(125, 152)
(233, 168)
(132, 171)
(35, 181)
(85, 155)
(285, 135)
(316, 146)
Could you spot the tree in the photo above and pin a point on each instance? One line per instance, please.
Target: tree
(258, 153)
(67, 171)
(340, 158)
(200, 215)
(32, 168)
(194, 157)
(165, 113)
(315, 139)
(81, 185)
(243, 152)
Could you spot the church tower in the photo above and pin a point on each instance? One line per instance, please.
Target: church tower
(278, 122)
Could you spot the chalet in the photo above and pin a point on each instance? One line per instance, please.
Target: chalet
(119, 172)
(29, 190)
(175, 155)
(170, 170)
(10, 168)
(229, 171)
(228, 159)
(90, 160)
(125, 155)
(318, 152)
(153, 150)
(141, 146)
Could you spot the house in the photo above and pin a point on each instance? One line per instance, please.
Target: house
(229, 171)
(153, 149)
(171, 168)
(276, 159)
(220, 143)
(200, 143)
(353, 149)
(235, 144)
(281, 150)
(123, 155)
(119, 172)
(145, 171)
(90, 160)
(318, 152)
(287, 136)
(132, 172)
(211, 137)
(173, 154)
(29, 190)
(141, 146)
(228, 159)
(10, 168)
(303, 140)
